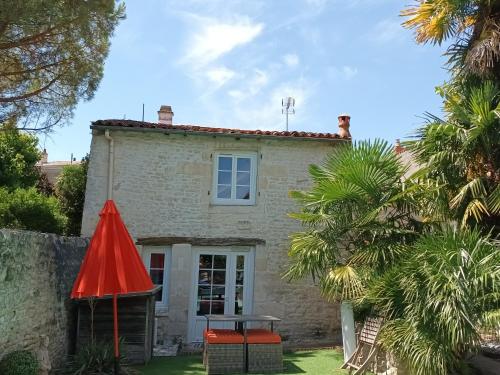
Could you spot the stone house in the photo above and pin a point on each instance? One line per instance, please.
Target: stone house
(208, 210)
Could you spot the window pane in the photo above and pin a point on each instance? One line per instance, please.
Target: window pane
(218, 307)
(219, 277)
(203, 307)
(239, 277)
(204, 293)
(240, 262)
(204, 277)
(218, 298)
(243, 164)
(225, 163)
(224, 178)
(157, 277)
(242, 178)
(224, 191)
(220, 262)
(242, 192)
(238, 301)
(157, 260)
(205, 261)
(159, 296)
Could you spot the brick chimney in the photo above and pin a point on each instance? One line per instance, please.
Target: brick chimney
(165, 115)
(45, 157)
(344, 124)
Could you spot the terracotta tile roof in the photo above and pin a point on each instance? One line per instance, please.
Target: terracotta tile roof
(132, 124)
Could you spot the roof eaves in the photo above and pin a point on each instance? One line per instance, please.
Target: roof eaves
(233, 133)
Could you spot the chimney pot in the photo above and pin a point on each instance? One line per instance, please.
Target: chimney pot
(165, 115)
(344, 124)
(398, 149)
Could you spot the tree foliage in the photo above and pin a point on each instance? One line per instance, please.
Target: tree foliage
(437, 298)
(28, 209)
(474, 25)
(462, 152)
(358, 218)
(18, 158)
(52, 55)
(369, 238)
(70, 191)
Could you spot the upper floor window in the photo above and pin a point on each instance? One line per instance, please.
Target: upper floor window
(235, 179)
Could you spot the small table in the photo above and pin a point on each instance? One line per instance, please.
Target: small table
(244, 319)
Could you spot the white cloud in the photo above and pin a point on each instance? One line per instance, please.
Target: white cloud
(265, 113)
(346, 72)
(220, 75)
(291, 60)
(349, 71)
(387, 31)
(215, 38)
(253, 85)
(316, 3)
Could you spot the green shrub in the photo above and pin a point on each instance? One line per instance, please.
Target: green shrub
(31, 210)
(97, 358)
(70, 191)
(20, 362)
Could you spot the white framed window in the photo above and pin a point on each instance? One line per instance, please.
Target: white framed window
(235, 177)
(157, 261)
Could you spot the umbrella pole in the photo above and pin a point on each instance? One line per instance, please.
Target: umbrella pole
(115, 332)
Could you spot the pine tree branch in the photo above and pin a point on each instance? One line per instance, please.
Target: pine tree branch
(34, 38)
(29, 94)
(36, 69)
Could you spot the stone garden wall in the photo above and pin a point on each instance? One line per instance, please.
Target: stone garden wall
(37, 271)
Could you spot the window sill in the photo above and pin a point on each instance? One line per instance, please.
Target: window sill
(232, 203)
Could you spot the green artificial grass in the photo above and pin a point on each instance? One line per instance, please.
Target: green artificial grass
(317, 362)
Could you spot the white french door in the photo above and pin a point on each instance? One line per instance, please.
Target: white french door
(223, 284)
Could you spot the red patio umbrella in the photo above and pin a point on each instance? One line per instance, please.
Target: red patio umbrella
(111, 265)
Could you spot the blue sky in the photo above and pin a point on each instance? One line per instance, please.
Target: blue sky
(228, 63)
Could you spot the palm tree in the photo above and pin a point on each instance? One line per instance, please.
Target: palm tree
(437, 298)
(357, 217)
(475, 26)
(462, 152)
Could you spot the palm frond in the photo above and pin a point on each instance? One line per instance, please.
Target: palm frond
(493, 200)
(433, 20)
(491, 319)
(473, 189)
(417, 347)
(342, 282)
(475, 209)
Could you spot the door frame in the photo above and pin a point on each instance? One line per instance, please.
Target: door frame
(248, 290)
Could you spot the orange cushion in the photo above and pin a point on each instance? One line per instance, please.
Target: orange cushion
(216, 331)
(262, 336)
(219, 336)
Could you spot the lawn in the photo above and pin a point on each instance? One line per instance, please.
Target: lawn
(317, 362)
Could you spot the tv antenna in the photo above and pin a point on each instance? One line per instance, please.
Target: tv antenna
(287, 108)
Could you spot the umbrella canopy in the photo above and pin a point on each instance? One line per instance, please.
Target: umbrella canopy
(112, 264)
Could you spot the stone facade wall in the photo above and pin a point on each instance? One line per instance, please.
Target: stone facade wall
(162, 185)
(37, 272)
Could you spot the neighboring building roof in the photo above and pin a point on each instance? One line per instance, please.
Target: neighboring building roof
(194, 129)
(54, 168)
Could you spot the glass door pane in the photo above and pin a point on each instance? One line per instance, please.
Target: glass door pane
(239, 283)
(212, 286)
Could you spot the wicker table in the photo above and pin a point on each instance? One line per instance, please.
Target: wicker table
(242, 320)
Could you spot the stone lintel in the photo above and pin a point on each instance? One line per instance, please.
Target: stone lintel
(200, 241)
